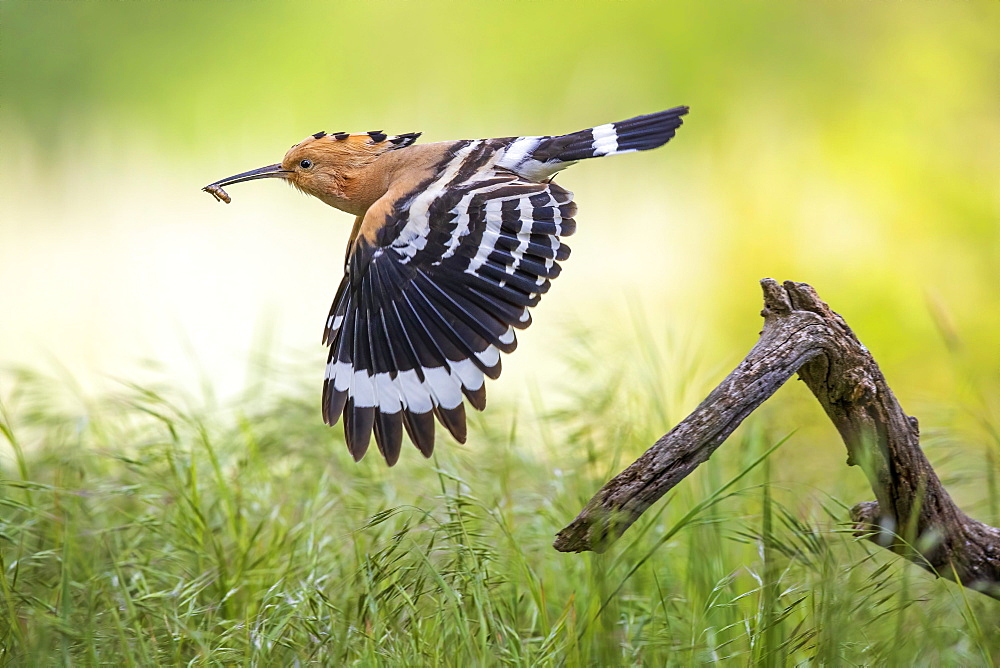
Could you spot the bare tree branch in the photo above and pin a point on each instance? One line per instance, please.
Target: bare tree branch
(913, 515)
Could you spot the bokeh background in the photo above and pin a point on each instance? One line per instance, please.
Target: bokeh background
(852, 145)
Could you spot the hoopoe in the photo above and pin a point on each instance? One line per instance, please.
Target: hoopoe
(453, 243)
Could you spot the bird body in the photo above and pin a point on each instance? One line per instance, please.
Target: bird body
(453, 242)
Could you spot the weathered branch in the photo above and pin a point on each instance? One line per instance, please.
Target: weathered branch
(912, 515)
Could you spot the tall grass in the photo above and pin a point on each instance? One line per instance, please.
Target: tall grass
(150, 528)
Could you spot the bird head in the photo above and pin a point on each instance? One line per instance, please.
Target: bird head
(327, 166)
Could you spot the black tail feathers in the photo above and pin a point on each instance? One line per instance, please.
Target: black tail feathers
(635, 134)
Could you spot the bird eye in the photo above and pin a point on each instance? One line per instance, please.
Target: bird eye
(306, 164)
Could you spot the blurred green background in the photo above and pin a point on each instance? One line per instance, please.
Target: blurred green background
(851, 145)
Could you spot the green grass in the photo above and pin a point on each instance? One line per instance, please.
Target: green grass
(149, 528)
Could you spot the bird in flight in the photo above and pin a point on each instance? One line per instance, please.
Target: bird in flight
(453, 242)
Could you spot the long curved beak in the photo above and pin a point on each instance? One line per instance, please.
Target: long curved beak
(269, 172)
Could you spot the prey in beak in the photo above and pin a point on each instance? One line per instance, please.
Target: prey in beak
(269, 172)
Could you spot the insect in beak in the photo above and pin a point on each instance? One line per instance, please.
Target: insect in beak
(269, 172)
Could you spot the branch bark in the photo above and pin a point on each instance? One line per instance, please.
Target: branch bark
(913, 515)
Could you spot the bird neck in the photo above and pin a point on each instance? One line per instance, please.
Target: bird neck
(357, 187)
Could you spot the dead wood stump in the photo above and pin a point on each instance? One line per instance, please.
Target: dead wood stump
(913, 515)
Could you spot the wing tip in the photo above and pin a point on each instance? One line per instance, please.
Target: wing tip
(389, 436)
(420, 428)
(358, 425)
(453, 420)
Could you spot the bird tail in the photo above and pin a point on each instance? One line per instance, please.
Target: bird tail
(539, 157)
(636, 134)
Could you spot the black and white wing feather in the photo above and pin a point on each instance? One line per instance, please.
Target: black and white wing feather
(422, 316)
(418, 327)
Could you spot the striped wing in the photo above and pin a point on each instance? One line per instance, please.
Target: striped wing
(420, 320)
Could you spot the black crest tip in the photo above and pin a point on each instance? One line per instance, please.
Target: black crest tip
(319, 135)
(377, 136)
(404, 139)
(341, 136)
